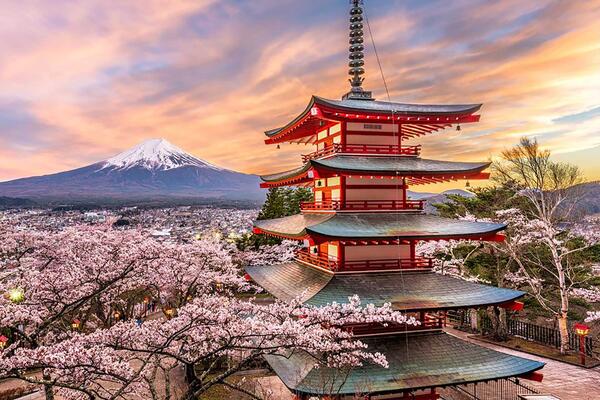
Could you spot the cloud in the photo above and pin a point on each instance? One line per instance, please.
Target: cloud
(86, 80)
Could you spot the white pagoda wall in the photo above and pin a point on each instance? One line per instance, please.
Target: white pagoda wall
(373, 192)
(376, 252)
(371, 133)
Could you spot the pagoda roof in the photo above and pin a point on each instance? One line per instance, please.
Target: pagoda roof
(416, 361)
(377, 226)
(377, 165)
(319, 110)
(405, 290)
(398, 108)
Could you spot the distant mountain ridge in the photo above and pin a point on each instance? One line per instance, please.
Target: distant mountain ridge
(590, 201)
(436, 198)
(11, 202)
(153, 170)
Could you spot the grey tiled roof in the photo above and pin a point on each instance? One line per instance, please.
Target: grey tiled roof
(383, 107)
(293, 226)
(377, 226)
(416, 361)
(406, 291)
(403, 166)
(400, 108)
(286, 174)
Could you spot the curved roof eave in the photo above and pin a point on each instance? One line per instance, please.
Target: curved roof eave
(406, 226)
(405, 291)
(382, 165)
(386, 107)
(273, 132)
(355, 226)
(441, 360)
(381, 107)
(286, 174)
(393, 165)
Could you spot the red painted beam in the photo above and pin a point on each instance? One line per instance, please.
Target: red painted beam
(259, 231)
(498, 237)
(513, 305)
(534, 376)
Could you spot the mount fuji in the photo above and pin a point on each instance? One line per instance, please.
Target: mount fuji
(154, 170)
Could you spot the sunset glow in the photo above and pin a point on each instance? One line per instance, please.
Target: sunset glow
(81, 82)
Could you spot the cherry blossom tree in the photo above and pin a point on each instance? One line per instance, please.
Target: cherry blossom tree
(543, 254)
(591, 295)
(269, 254)
(552, 191)
(77, 314)
(450, 257)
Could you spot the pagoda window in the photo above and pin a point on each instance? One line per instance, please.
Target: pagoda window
(335, 181)
(332, 251)
(322, 134)
(335, 129)
(318, 196)
(336, 194)
(327, 137)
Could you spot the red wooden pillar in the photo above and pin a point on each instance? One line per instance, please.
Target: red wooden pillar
(399, 135)
(341, 255)
(404, 187)
(343, 191)
(343, 135)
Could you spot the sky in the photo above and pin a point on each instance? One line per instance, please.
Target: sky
(81, 81)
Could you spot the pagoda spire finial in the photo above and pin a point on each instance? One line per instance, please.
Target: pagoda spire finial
(357, 54)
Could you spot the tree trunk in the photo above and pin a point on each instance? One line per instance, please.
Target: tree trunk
(564, 301)
(48, 390)
(192, 382)
(502, 323)
(474, 317)
(563, 328)
(499, 329)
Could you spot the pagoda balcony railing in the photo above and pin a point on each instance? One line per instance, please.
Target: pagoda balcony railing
(401, 263)
(430, 321)
(318, 260)
(364, 149)
(333, 264)
(363, 205)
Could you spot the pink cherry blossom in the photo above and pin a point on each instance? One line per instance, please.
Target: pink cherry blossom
(144, 305)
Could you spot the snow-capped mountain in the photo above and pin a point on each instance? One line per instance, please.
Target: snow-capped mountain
(153, 170)
(156, 155)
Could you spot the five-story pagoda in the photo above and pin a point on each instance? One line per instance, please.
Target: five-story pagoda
(360, 234)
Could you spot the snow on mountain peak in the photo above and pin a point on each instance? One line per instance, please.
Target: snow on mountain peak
(156, 154)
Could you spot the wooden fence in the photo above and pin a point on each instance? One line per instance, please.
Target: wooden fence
(502, 389)
(528, 331)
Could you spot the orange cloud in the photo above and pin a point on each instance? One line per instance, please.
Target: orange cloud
(212, 76)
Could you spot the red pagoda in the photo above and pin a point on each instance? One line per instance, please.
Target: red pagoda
(360, 233)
